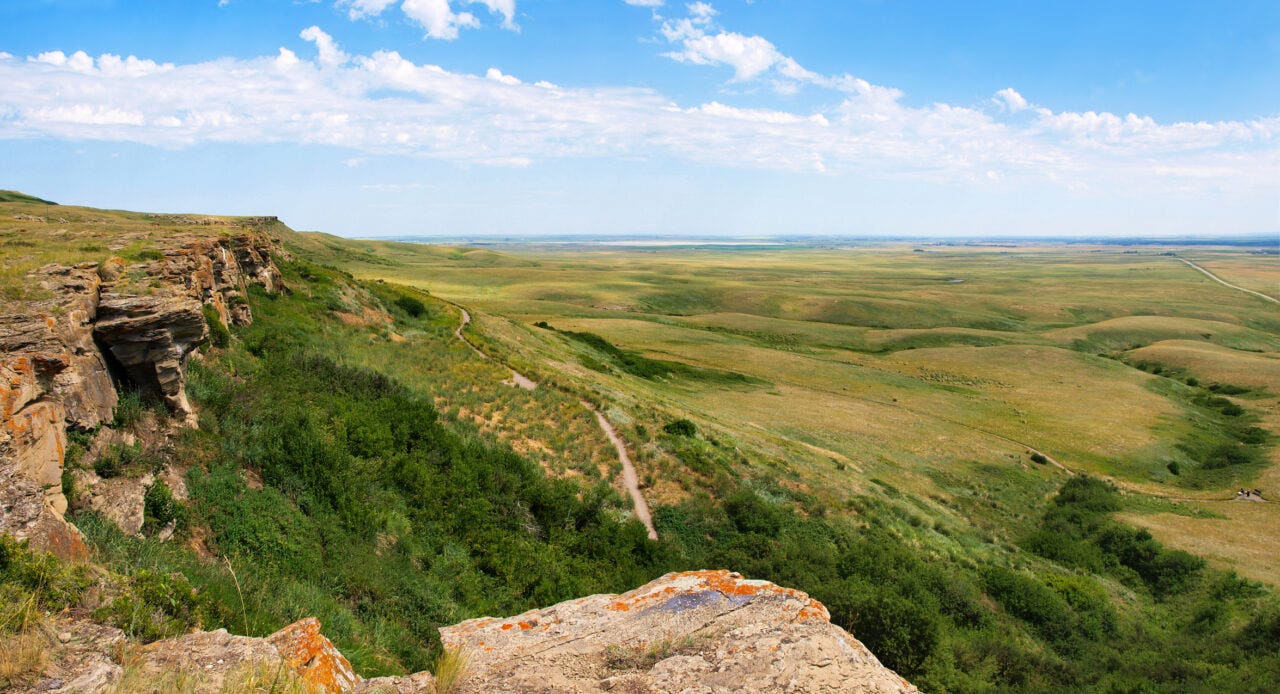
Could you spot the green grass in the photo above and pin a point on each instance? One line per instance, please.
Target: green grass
(854, 423)
(15, 196)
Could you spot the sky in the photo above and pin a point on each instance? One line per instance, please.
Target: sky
(649, 117)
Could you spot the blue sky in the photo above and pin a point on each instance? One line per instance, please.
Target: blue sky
(449, 117)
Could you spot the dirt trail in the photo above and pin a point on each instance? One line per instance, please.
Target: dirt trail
(1225, 283)
(630, 479)
(517, 378)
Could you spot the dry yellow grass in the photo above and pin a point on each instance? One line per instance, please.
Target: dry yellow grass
(1261, 273)
(1247, 540)
(22, 656)
(1213, 363)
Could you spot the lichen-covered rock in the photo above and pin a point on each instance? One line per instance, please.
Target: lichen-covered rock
(92, 658)
(314, 657)
(701, 631)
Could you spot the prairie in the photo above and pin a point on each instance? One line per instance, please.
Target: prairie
(918, 366)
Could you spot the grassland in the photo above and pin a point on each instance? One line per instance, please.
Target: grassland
(861, 423)
(915, 365)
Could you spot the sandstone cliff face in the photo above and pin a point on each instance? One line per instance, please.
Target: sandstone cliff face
(61, 359)
(700, 632)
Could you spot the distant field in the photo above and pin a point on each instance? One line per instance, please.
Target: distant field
(919, 367)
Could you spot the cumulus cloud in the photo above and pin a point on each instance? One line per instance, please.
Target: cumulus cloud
(439, 18)
(1011, 100)
(496, 75)
(386, 104)
(645, 3)
(330, 54)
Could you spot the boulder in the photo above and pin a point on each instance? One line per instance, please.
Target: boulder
(700, 631)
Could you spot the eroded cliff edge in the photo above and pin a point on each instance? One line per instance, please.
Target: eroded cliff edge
(103, 327)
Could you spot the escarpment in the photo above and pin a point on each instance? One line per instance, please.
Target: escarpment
(105, 327)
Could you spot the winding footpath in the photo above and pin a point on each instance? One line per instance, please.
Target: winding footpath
(1225, 283)
(630, 479)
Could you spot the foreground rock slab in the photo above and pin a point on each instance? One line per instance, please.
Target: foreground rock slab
(700, 632)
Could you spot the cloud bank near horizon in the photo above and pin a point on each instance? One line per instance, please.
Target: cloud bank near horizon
(382, 103)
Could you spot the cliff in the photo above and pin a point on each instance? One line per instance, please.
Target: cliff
(703, 631)
(103, 326)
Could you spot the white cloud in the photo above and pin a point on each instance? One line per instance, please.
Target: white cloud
(645, 3)
(385, 104)
(439, 17)
(506, 8)
(496, 75)
(1010, 99)
(749, 56)
(330, 54)
(358, 9)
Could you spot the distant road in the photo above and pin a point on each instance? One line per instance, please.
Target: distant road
(1225, 283)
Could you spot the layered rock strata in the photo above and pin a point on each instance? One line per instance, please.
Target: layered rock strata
(107, 324)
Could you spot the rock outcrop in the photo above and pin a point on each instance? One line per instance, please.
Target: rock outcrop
(104, 325)
(697, 632)
(92, 658)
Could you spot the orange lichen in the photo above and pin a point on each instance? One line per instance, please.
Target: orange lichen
(727, 583)
(313, 656)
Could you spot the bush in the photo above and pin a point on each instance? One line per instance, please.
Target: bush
(118, 459)
(160, 507)
(681, 427)
(109, 463)
(129, 409)
(219, 336)
(411, 306)
(154, 606)
(1029, 600)
(1039, 459)
(898, 631)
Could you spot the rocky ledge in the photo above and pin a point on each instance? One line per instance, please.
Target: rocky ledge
(107, 325)
(699, 632)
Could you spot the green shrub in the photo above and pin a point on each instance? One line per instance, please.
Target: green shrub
(681, 427)
(35, 579)
(219, 336)
(129, 410)
(412, 306)
(119, 459)
(1039, 459)
(160, 507)
(897, 630)
(153, 606)
(1029, 600)
(110, 463)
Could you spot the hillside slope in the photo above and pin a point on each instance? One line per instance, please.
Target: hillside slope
(318, 445)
